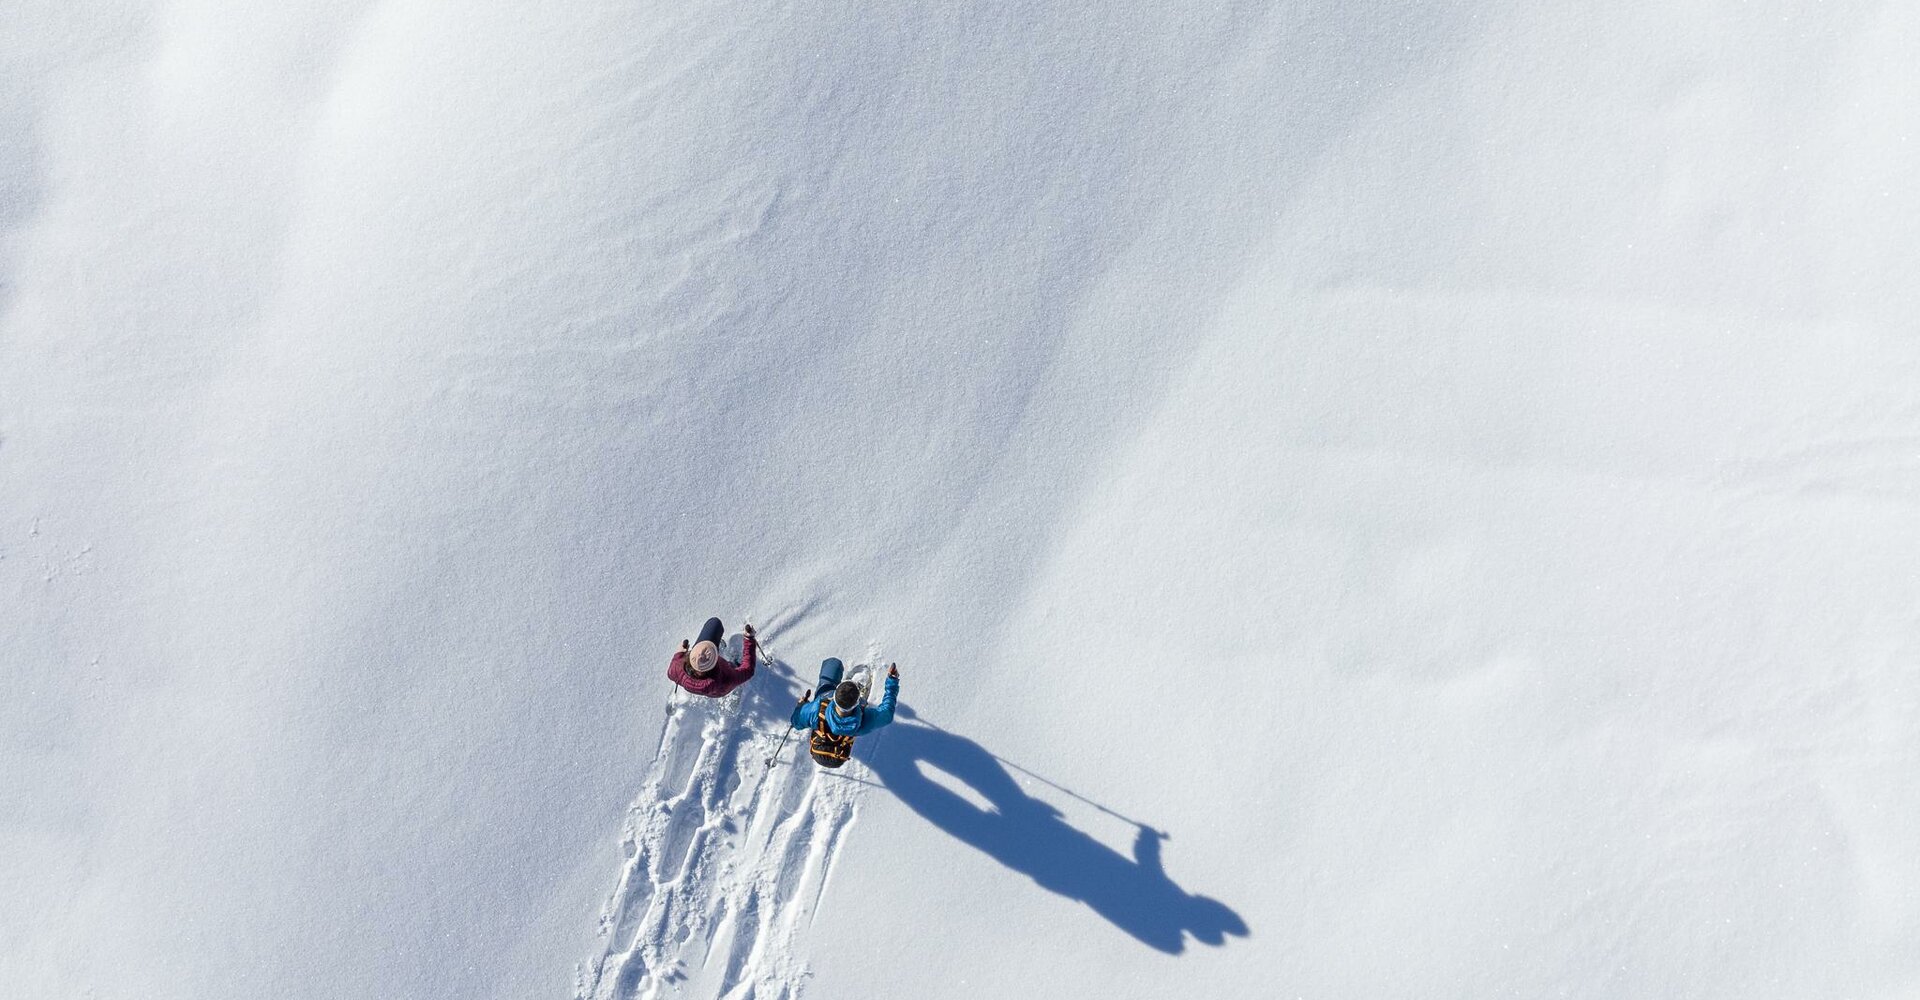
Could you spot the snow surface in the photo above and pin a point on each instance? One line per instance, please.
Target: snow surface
(1413, 499)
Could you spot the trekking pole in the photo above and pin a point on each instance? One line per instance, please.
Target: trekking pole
(775, 759)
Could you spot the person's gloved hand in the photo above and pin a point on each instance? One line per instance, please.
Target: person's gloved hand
(893, 671)
(683, 645)
(749, 630)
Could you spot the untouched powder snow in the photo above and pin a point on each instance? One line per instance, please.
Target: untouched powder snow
(1413, 501)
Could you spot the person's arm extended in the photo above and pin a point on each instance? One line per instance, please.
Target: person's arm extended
(747, 647)
(879, 715)
(806, 714)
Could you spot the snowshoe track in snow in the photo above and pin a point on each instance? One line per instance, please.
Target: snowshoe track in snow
(725, 858)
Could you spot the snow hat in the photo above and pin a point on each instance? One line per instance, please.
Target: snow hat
(702, 658)
(846, 696)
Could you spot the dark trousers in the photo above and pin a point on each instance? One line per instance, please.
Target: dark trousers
(830, 671)
(713, 632)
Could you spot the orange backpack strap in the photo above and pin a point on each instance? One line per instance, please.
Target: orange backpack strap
(828, 747)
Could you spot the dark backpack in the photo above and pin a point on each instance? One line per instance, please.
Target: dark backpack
(828, 748)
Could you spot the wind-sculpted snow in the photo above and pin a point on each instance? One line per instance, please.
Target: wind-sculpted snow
(1434, 478)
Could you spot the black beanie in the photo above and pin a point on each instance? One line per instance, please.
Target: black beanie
(846, 695)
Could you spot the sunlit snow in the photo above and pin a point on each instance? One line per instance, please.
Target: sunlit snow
(1409, 499)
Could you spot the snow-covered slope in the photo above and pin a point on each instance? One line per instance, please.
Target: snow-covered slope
(1414, 501)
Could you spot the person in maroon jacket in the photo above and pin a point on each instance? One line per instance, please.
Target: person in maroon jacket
(702, 670)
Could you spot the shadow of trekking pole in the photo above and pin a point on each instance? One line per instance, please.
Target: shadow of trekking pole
(1031, 837)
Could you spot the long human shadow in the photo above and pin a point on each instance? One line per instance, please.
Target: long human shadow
(1031, 837)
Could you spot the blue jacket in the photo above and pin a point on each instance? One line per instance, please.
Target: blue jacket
(863, 719)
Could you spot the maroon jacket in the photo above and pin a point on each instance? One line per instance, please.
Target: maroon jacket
(725, 676)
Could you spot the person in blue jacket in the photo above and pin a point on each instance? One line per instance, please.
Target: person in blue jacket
(836, 714)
